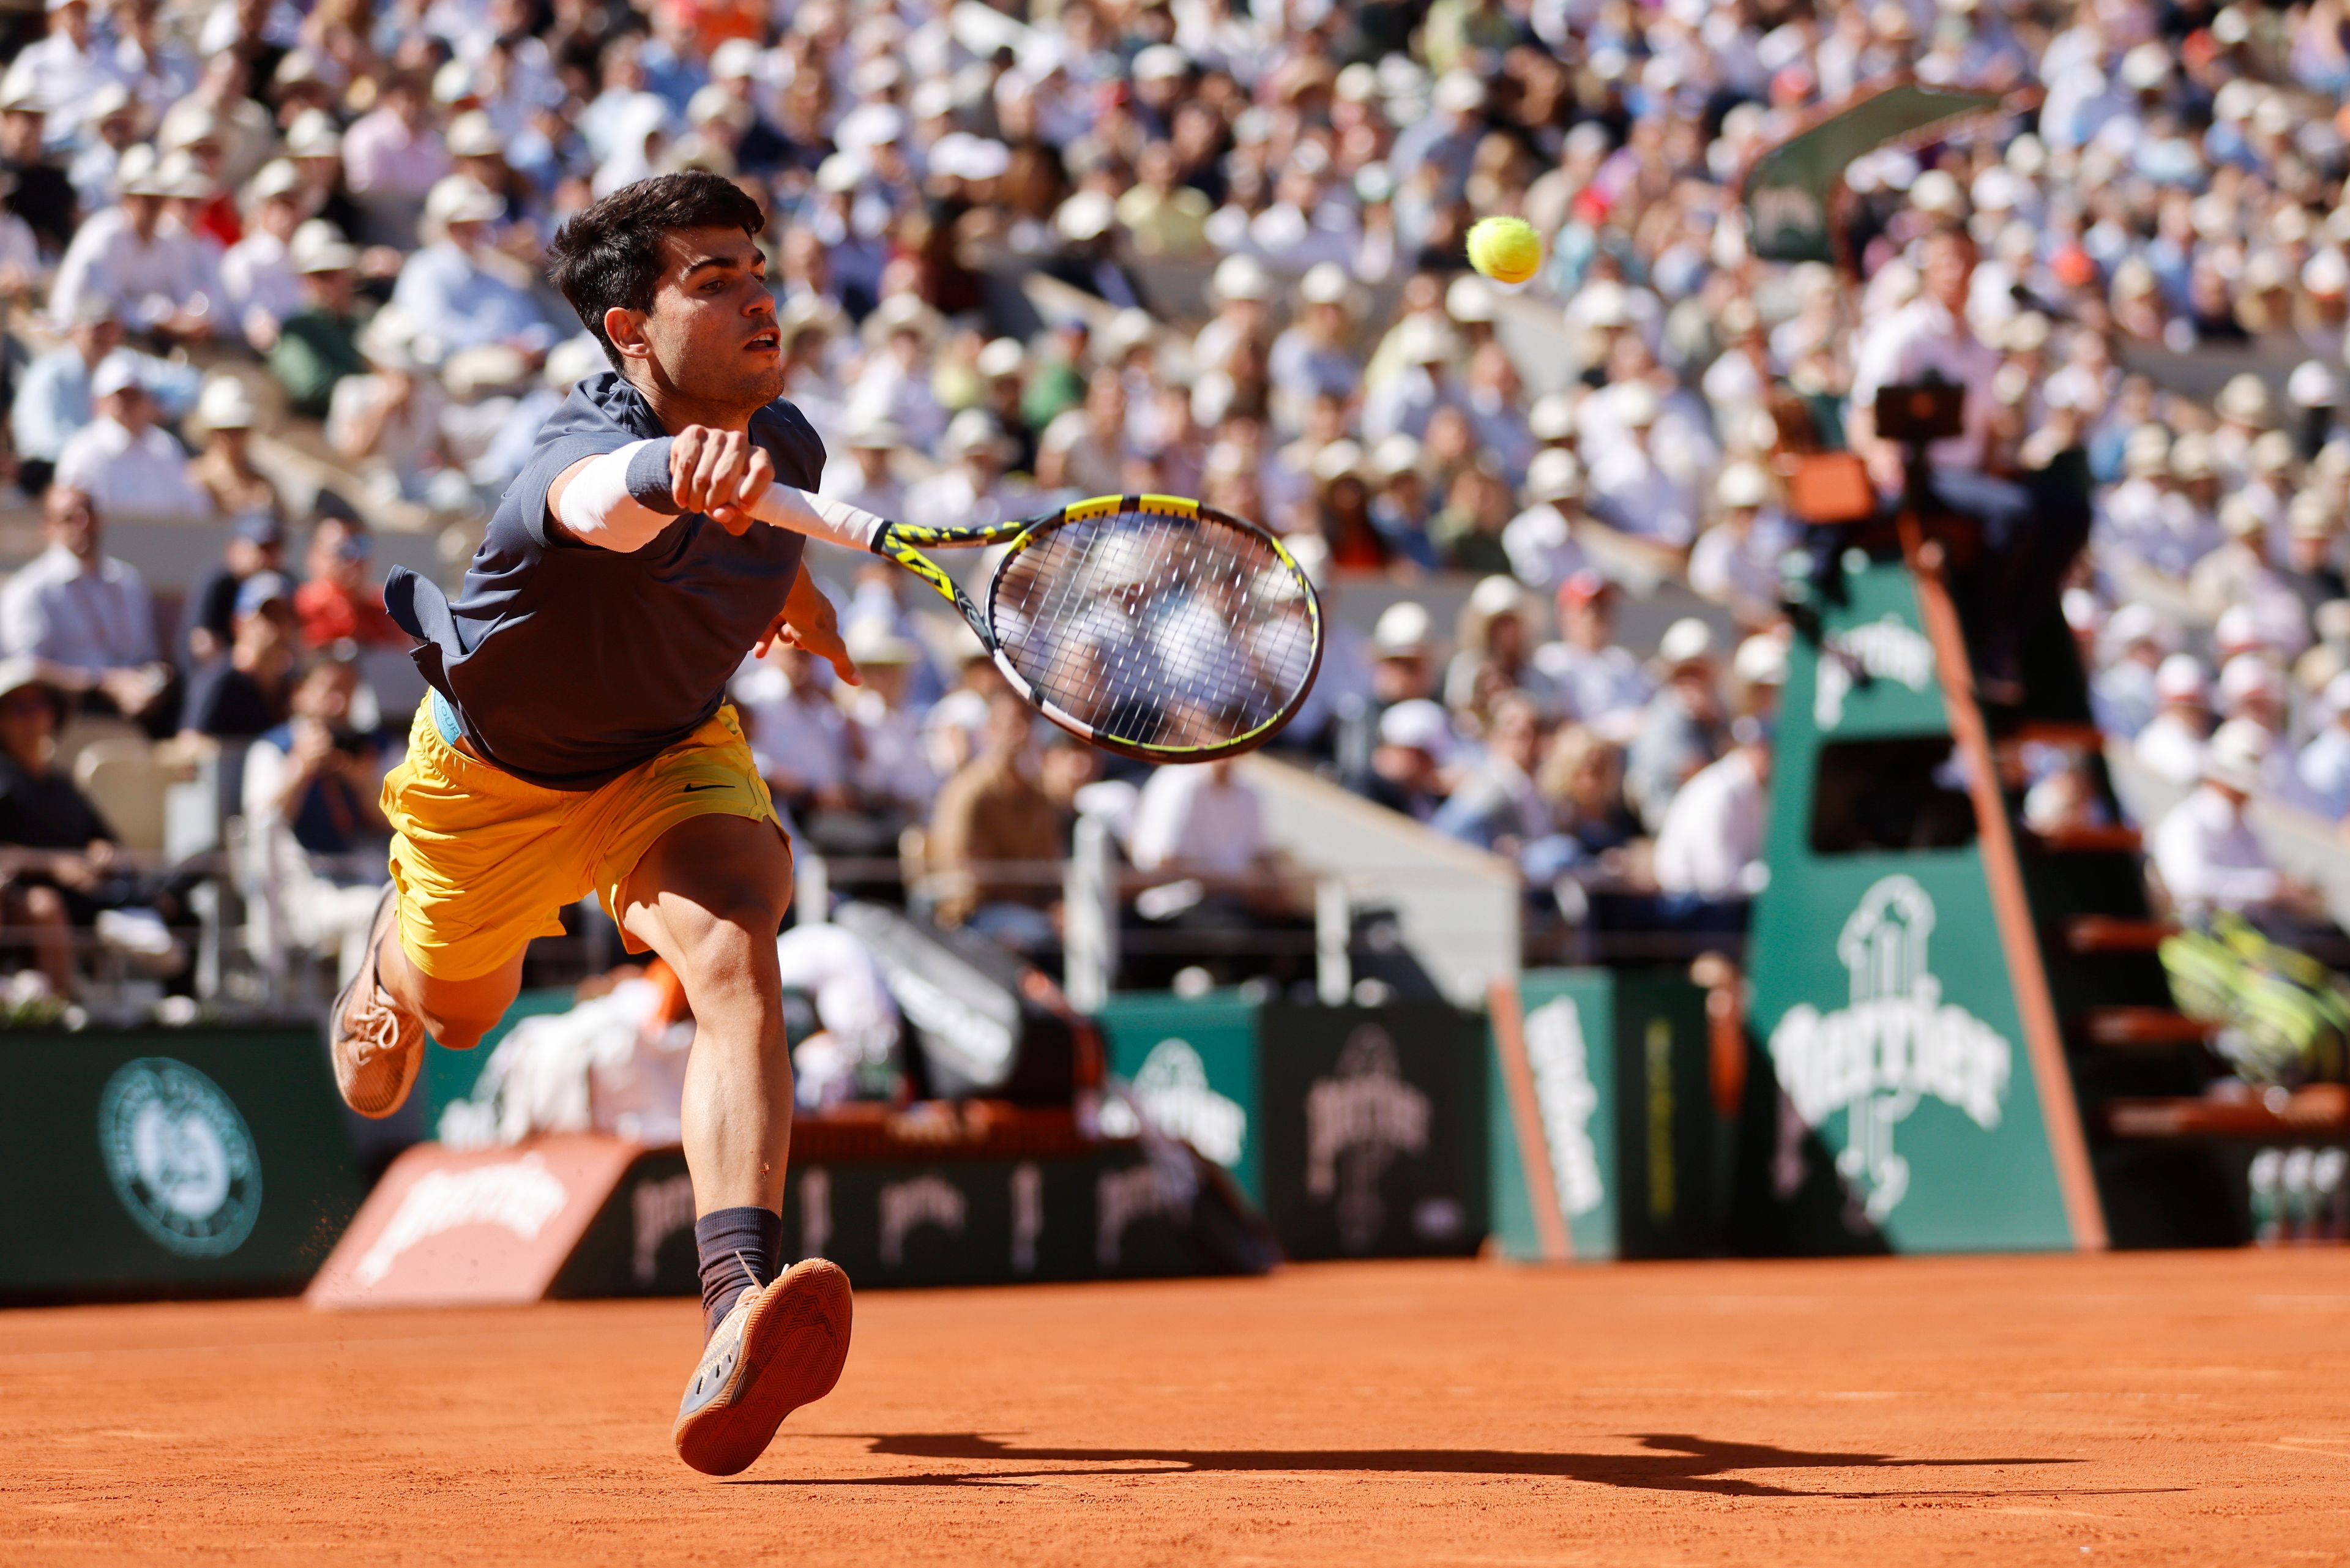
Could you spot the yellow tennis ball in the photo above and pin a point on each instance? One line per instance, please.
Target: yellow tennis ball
(1504, 249)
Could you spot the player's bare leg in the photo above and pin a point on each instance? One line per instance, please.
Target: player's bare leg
(376, 1036)
(708, 897)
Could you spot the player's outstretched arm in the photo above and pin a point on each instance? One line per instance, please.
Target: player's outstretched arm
(621, 500)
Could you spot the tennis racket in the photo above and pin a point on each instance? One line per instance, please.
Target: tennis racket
(1146, 625)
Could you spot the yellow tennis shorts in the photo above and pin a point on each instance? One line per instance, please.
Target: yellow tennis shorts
(484, 861)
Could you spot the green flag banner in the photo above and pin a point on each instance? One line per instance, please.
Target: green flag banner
(1790, 193)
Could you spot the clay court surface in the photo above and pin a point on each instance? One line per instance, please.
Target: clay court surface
(2132, 1409)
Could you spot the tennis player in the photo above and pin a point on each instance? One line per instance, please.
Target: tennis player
(576, 739)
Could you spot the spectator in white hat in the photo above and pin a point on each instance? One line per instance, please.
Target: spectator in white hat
(53, 398)
(1497, 806)
(1710, 845)
(318, 345)
(970, 491)
(125, 465)
(2171, 745)
(1681, 729)
(1632, 495)
(1406, 402)
(1312, 357)
(868, 480)
(1411, 765)
(158, 277)
(258, 275)
(1542, 549)
(2123, 661)
(223, 421)
(453, 289)
(1736, 562)
(895, 384)
(2207, 854)
(386, 422)
(889, 767)
(1494, 654)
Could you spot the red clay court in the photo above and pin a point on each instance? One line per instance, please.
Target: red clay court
(2145, 1409)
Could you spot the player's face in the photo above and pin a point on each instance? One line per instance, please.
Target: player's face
(712, 328)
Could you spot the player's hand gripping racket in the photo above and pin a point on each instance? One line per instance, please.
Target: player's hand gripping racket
(1146, 625)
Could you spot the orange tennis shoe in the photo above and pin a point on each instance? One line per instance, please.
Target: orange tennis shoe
(778, 1348)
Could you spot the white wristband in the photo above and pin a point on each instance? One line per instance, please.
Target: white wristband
(597, 508)
(817, 517)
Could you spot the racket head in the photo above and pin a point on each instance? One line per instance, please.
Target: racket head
(1156, 627)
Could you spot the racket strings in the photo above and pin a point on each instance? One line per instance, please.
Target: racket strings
(1159, 631)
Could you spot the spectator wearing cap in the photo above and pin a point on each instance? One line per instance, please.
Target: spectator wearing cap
(2172, 743)
(341, 601)
(1085, 448)
(1494, 653)
(392, 157)
(248, 691)
(1541, 540)
(1312, 358)
(1736, 562)
(1002, 370)
(901, 335)
(53, 400)
(1402, 656)
(1682, 728)
(1406, 402)
(1445, 141)
(154, 273)
(257, 276)
(798, 735)
(2206, 853)
(868, 480)
(225, 417)
(970, 491)
(57, 857)
(1399, 500)
(318, 345)
(2312, 567)
(83, 615)
(256, 543)
(1411, 766)
(456, 288)
(890, 769)
(2238, 574)
(120, 459)
(1341, 515)
(1629, 493)
(1601, 683)
(42, 195)
(388, 421)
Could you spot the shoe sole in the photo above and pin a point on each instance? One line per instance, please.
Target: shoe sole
(794, 1345)
(387, 907)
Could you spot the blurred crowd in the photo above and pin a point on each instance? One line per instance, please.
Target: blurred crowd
(1206, 247)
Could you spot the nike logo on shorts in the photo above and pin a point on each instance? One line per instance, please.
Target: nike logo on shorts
(689, 789)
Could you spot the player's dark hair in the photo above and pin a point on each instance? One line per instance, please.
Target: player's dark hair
(610, 253)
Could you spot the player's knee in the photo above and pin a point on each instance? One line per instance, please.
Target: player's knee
(734, 951)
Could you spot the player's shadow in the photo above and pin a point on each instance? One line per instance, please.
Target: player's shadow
(1673, 1461)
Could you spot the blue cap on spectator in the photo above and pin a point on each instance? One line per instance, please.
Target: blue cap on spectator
(260, 590)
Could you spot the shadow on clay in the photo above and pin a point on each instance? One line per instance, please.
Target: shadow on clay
(1675, 1461)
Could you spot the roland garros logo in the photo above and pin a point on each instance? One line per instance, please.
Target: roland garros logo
(180, 1157)
(1896, 1043)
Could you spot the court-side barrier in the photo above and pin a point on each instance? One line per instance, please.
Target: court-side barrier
(1614, 1116)
(1359, 1131)
(987, 1197)
(169, 1162)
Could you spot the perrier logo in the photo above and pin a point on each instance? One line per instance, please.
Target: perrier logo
(1896, 1043)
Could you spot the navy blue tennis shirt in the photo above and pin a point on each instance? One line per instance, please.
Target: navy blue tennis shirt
(568, 664)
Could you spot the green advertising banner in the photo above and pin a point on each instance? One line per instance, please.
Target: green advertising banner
(1891, 1072)
(169, 1162)
(1636, 1155)
(1193, 1066)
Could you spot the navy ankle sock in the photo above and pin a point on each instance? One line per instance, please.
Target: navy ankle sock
(739, 1249)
